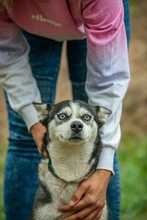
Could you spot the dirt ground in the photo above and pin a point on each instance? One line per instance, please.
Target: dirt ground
(134, 118)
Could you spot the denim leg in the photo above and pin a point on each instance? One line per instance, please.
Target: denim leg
(127, 19)
(20, 178)
(113, 192)
(20, 184)
(76, 55)
(114, 189)
(45, 57)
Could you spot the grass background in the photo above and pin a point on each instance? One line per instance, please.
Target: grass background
(3, 145)
(133, 148)
(133, 164)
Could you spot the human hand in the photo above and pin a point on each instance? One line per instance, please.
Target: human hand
(38, 131)
(89, 199)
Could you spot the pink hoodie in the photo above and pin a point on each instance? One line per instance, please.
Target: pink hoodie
(101, 22)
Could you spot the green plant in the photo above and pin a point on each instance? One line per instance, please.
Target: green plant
(2, 160)
(133, 164)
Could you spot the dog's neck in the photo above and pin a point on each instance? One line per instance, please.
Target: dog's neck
(71, 166)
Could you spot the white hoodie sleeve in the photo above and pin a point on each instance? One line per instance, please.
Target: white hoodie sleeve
(15, 72)
(108, 68)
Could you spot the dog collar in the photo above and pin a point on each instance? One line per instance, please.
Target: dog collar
(51, 169)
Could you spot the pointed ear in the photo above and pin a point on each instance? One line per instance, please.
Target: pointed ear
(103, 114)
(43, 110)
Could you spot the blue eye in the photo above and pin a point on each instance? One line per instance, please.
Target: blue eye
(86, 117)
(62, 116)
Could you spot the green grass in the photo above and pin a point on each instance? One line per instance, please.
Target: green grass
(3, 146)
(133, 165)
(134, 7)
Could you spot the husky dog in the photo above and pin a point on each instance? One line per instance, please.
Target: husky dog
(71, 146)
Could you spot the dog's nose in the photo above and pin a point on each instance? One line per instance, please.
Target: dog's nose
(76, 126)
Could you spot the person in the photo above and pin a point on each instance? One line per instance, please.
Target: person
(107, 78)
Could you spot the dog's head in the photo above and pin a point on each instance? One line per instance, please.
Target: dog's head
(71, 122)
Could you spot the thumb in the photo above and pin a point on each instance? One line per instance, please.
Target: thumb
(78, 195)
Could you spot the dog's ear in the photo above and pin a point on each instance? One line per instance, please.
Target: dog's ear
(103, 114)
(43, 110)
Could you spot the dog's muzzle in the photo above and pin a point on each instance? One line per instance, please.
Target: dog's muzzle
(76, 126)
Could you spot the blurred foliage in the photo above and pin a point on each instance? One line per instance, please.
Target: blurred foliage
(133, 164)
(3, 145)
(134, 6)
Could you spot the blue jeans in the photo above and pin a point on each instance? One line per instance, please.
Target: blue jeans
(21, 179)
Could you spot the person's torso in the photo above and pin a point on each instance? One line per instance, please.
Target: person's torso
(54, 19)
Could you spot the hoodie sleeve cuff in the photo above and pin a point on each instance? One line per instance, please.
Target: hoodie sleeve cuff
(29, 115)
(106, 159)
